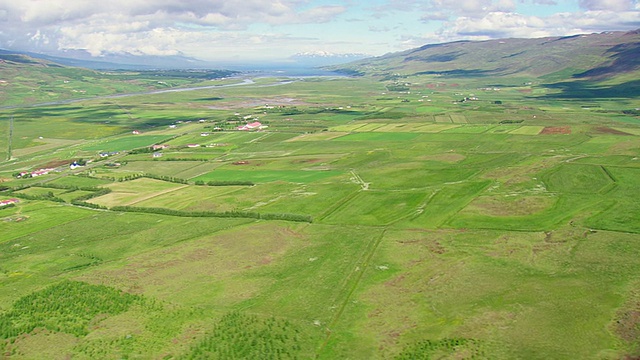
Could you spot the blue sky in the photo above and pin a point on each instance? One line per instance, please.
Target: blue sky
(249, 30)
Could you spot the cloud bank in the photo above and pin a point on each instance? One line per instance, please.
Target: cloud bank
(271, 28)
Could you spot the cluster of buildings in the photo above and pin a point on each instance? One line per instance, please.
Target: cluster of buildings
(34, 173)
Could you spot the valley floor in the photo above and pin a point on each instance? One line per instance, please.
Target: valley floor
(356, 223)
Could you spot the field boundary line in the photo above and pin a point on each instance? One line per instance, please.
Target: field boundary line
(10, 145)
(359, 270)
(156, 195)
(346, 199)
(259, 138)
(463, 205)
(338, 205)
(610, 175)
(358, 179)
(419, 209)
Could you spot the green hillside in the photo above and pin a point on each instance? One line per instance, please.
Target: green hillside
(588, 55)
(26, 80)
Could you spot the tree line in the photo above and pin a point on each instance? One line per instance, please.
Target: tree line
(218, 214)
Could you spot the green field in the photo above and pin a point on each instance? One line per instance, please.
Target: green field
(127, 143)
(295, 176)
(361, 224)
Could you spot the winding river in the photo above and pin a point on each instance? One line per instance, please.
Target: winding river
(151, 92)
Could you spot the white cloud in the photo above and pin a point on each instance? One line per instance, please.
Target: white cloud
(98, 43)
(471, 8)
(141, 26)
(502, 25)
(608, 5)
(272, 28)
(544, 2)
(321, 14)
(434, 16)
(494, 25)
(209, 12)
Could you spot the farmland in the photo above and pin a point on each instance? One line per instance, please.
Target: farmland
(355, 225)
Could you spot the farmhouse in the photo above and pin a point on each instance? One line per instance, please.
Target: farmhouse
(40, 172)
(8, 202)
(106, 154)
(160, 147)
(157, 155)
(135, 132)
(252, 126)
(193, 145)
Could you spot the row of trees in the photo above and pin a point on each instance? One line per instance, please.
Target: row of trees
(50, 196)
(98, 191)
(178, 180)
(82, 200)
(223, 214)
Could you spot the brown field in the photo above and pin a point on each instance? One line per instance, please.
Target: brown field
(555, 130)
(54, 164)
(608, 130)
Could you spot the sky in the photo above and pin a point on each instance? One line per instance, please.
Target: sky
(274, 30)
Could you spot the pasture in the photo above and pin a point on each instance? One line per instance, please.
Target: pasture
(261, 176)
(436, 229)
(129, 142)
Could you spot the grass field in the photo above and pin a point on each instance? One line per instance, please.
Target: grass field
(295, 176)
(132, 192)
(358, 225)
(181, 169)
(126, 143)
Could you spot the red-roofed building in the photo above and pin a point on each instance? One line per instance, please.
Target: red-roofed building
(251, 126)
(41, 172)
(9, 202)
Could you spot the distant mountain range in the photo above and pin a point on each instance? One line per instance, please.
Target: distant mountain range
(111, 62)
(324, 58)
(588, 55)
(137, 62)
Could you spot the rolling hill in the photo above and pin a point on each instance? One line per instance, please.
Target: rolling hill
(27, 79)
(589, 55)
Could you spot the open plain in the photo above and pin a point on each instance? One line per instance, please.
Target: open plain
(362, 220)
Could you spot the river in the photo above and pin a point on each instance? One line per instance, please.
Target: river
(151, 92)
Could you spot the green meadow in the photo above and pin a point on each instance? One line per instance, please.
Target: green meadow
(126, 143)
(360, 224)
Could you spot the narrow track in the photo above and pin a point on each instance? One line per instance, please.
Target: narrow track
(350, 287)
